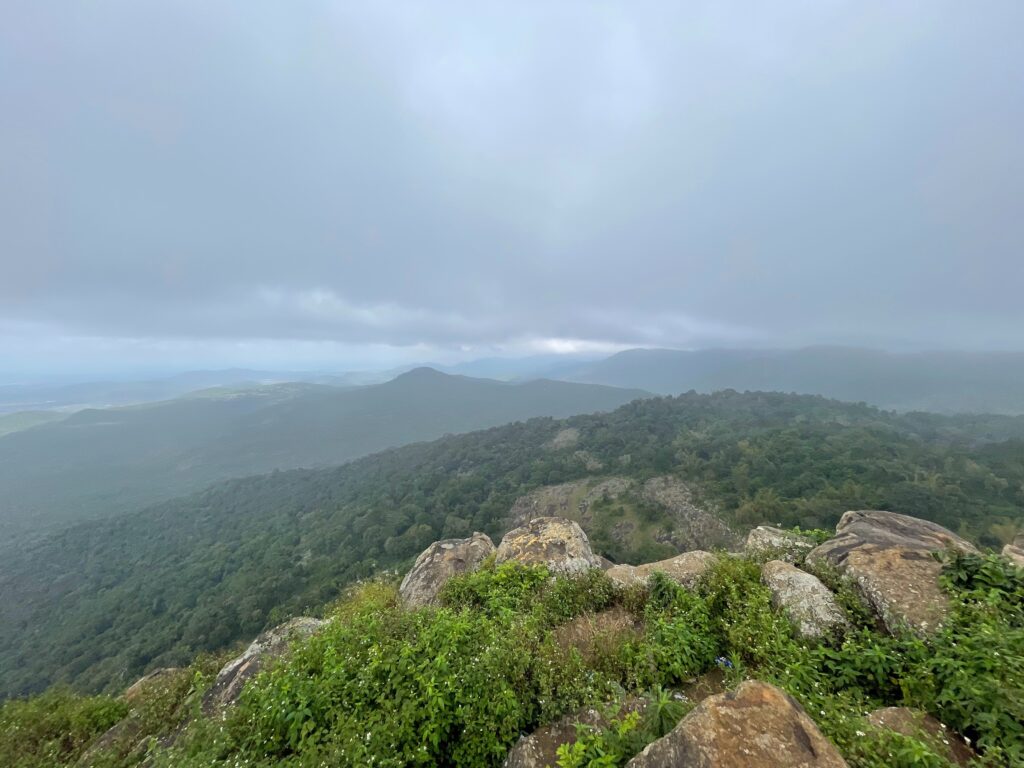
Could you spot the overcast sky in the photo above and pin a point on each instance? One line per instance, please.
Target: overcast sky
(333, 184)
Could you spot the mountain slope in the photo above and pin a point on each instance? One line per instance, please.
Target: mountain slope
(102, 462)
(100, 602)
(944, 382)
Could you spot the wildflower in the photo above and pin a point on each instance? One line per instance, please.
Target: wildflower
(723, 662)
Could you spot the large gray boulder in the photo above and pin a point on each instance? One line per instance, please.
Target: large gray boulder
(555, 542)
(808, 603)
(755, 725)
(889, 558)
(777, 544)
(272, 644)
(686, 569)
(438, 563)
(922, 726)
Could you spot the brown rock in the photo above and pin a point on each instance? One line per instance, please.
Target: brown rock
(922, 726)
(889, 557)
(555, 542)
(755, 725)
(1015, 554)
(272, 644)
(808, 603)
(685, 569)
(438, 563)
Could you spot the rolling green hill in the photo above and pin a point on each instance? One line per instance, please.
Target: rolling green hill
(16, 422)
(102, 462)
(99, 603)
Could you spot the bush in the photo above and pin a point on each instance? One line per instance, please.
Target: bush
(54, 728)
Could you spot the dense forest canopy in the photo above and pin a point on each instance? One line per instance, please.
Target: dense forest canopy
(102, 462)
(99, 603)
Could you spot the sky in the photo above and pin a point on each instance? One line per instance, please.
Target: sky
(331, 185)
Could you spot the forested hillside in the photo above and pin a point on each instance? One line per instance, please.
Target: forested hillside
(98, 603)
(101, 462)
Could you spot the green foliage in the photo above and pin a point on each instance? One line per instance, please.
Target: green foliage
(54, 728)
(214, 569)
(625, 735)
(456, 685)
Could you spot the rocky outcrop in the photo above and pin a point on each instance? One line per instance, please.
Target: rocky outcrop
(540, 748)
(889, 557)
(693, 526)
(685, 569)
(270, 645)
(755, 725)
(555, 542)
(572, 500)
(808, 603)
(687, 525)
(777, 544)
(924, 727)
(438, 563)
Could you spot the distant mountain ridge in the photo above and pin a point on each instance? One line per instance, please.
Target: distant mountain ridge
(942, 382)
(100, 462)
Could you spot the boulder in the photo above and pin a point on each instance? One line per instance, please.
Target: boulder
(755, 725)
(438, 563)
(922, 726)
(808, 603)
(777, 544)
(540, 748)
(558, 543)
(272, 644)
(1014, 553)
(889, 558)
(685, 569)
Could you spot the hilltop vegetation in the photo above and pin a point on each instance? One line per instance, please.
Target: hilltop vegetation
(457, 685)
(101, 462)
(98, 604)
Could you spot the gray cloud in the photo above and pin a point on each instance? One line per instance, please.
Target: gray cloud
(457, 177)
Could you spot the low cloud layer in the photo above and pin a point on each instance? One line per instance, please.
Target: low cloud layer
(364, 182)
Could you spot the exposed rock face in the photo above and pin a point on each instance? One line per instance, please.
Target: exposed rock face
(540, 748)
(1015, 553)
(808, 603)
(144, 683)
(689, 526)
(570, 500)
(755, 725)
(685, 569)
(558, 543)
(766, 541)
(438, 563)
(889, 556)
(920, 725)
(270, 645)
(693, 527)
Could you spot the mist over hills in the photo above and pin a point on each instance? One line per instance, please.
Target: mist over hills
(100, 462)
(941, 382)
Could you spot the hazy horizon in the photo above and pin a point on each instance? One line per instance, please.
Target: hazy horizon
(356, 186)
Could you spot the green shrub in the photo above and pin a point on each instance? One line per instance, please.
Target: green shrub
(54, 728)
